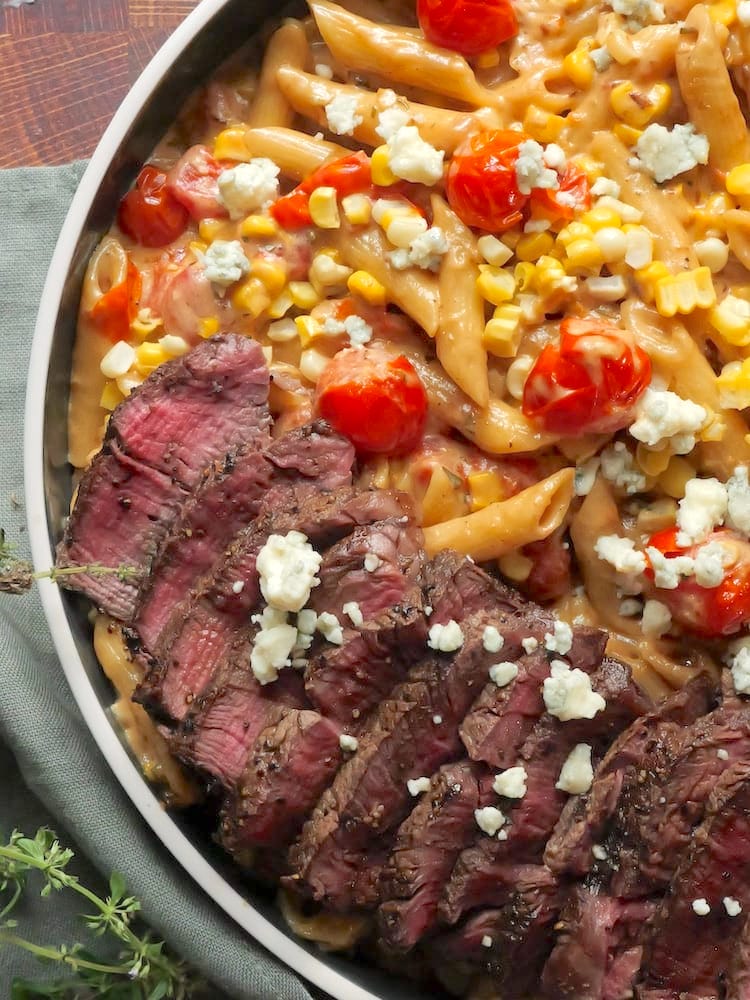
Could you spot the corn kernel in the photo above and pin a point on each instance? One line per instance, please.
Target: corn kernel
(502, 333)
(713, 253)
(639, 252)
(118, 360)
(733, 384)
(710, 212)
(731, 318)
(251, 297)
(303, 294)
(357, 209)
(145, 323)
(174, 346)
(485, 488)
(208, 326)
(380, 163)
(637, 108)
(282, 331)
(198, 248)
(518, 372)
(648, 277)
(515, 566)
(627, 135)
(715, 428)
(280, 305)
(487, 60)
(613, 243)
(608, 288)
(652, 462)
(579, 67)
(542, 125)
(495, 285)
(271, 271)
(674, 478)
(326, 273)
(308, 329)
(524, 274)
(230, 145)
(111, 396)
(404, 228)
(324, 210)
(574, 231)
(312, 364)
(584, 257)
(362, 283)
(258, 225)
(494, 251)
(591, 167)
(738, 179)
(723, 12)
(215, 229)
(601, 217)
(532, 246)
(551, 281)
(685, 292)
(149, 356)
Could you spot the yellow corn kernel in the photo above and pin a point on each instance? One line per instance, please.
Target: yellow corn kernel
(532, 246)
(303, 294)
(198, 247)
(627, 135)
(515, 566)
(637, 108)
(731, 318)
(542, 125)
(487, 60)
(111, 396)
(308, 328)
(715, 427)
(733, 384)
(251, 297)
(149, 356)
(648, 278)
(215, 229)
(208, 326)
(357, 209)
(738, 179)
(652, 461)
(362, 283)
(485, 488)
(324, 209)
(591, 167)
(258, 225)
(685, 292)
(380, 163)
(550, 277)
(272, 272)
(723, 12)
(574, 231)
(583, 257)
(601, 217)
(578, 65)
(230, 144)
(677, 473)
(502, 333)
(524, 276)
(280, 305)
(145, 323)
(495, 285)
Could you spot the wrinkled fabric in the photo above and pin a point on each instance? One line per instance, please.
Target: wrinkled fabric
(51, 772)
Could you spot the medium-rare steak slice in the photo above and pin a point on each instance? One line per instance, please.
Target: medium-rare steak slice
(648, 746)
(226, 502)
(289, 766)
(478, 876)
(187, 414)
(693, 934)
(599, 949)
(426, 847)
(455, 587)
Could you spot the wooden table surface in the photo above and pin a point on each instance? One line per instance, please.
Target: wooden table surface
(65, 65)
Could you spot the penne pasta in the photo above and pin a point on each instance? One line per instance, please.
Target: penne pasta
(287, 47)
(295, 153)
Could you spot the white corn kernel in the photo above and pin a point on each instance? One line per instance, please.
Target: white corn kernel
(118, 360)
(518, 372)
(640, 248)
(612, 242)
(610, 288)
(312, 364)
(283, 330)
(712, 253)
(176, 346)
(357, 209)
(494, 251)
(326, 272)
(404, 229)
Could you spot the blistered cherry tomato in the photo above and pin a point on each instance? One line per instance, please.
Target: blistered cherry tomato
(348, 175)
(589, 381)
(481, 184)
(710, 612)
(114, 311)
(150, 214)
(374, 399)
(467, 26)
(570, 198)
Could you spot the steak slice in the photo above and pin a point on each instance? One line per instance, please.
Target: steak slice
(455, 587)
(478, 878)
(289, 766)
(599, 949)
(649, 745)
(226, 502)
(187, 414)
(426, 847)
(689, 953)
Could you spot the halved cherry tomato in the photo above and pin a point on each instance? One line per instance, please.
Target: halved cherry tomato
(710, 612)
(572, 196)
(150, 214)
(481, 184)
(589, 382)
(467, 26)
(348, 175)
(114, 311)
(374, 399)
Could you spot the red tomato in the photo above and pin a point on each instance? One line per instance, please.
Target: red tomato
(349, 175)
(710, 612)
(374, 399)
(573, 195)
(589, 382)
(150, 214)
(115, 309)
(467, 26)
(481, 183)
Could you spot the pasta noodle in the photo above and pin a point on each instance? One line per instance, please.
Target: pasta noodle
(295, 153)
(287, 47)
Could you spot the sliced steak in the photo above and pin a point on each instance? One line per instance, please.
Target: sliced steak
(455, 587)
(689, 952)
(598, 951)
(478, 878)
(190, 412)
(289, 765)
(227, 501)
(648, 746)
(426, 847)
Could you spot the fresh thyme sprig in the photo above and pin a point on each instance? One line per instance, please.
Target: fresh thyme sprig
(143, 969)
(17, 575)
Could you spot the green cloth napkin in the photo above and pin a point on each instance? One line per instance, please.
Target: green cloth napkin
(51, 771)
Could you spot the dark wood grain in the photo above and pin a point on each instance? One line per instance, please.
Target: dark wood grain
(65, 65)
